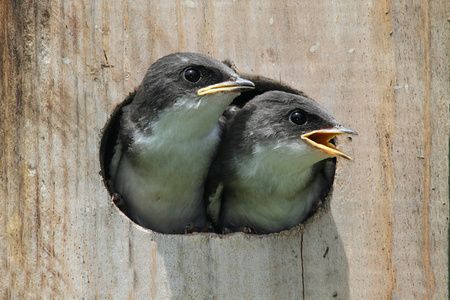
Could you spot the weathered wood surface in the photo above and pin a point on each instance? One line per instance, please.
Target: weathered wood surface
(381, 67)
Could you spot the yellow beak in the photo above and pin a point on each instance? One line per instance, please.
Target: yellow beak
(232, 85)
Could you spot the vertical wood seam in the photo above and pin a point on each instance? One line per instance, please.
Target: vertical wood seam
(427, 150)
(387, 125)
(302, 264)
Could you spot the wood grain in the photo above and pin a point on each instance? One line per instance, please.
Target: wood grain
(381, 68)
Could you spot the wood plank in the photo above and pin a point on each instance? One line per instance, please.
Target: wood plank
(380, 67)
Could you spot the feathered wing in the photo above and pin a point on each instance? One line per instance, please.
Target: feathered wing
(213, 186)
(110, 146)
(213, 202)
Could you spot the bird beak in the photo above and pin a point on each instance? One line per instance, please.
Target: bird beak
(233, 85)
(321, 139)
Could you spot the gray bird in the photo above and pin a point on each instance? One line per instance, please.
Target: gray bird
(167, 138)
(273, 163)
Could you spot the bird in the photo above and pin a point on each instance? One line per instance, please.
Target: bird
(167, 137)
(273, 164)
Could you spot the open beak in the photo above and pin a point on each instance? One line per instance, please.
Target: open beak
(232, 85)
(321, 139)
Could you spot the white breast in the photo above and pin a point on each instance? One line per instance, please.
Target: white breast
(274, 189)
(162, 178)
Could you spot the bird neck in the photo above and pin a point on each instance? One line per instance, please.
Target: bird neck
(278, 168)
(191, 117)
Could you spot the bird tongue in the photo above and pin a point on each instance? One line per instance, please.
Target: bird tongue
(321, 140)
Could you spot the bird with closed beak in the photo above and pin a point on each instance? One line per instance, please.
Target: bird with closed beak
(167, 137)
(273, 163)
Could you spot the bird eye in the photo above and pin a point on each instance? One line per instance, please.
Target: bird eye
(192, 75)
(298, 117)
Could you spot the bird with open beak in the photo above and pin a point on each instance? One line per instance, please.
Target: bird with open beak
(271, 166)
(167, 138)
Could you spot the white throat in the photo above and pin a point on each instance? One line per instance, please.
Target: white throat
(283, 163)
(191, 117)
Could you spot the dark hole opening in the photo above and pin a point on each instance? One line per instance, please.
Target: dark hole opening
(110, 132)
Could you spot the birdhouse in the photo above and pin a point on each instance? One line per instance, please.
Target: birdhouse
(380, 68)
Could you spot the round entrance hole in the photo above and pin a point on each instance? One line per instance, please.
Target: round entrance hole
(111, 130)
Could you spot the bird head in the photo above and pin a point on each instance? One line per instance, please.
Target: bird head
(289, 124)
(188, 75)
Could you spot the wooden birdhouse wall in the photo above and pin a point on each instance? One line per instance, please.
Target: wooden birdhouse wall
(380, 67)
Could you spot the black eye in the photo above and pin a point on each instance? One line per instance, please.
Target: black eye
(298, 117)
(192, 74)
